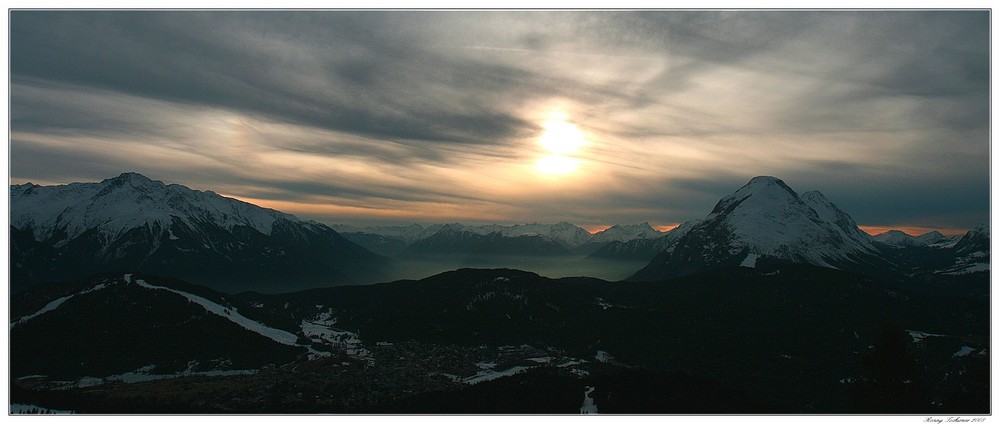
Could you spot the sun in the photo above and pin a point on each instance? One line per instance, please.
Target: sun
(561, 140)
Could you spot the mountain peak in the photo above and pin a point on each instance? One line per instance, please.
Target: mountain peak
(766, 183)
(763, 192)
(766, 217)
(134, 178)
(983, 228)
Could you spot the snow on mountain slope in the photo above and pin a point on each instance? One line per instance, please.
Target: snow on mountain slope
(896, 238)
(53, 305)
(456, 239)
(830, 213)
(935, 239)
(972, 252)
(133, 223)
(766, 219)
(644, 248)
(566, 234)
(408, 233)
(128, 201)
(231, 314)
(625, 233)
(563, 232)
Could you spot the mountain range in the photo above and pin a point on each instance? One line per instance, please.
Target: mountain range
(132, 223)
(564, 238)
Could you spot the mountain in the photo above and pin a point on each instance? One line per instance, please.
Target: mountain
(766, 221)
(405, 233)
(623, 233)
(564, 233)
(383, 245)
(458, 240)
(131, 223)
(644, 249)
(972, 252)
(896, 238)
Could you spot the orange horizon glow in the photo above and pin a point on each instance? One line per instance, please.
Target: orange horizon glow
(666, 227)
(913, 231)
(596, 228)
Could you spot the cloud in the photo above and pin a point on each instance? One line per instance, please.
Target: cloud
(418, 115)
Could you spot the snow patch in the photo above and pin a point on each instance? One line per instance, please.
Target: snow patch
(969, 269)
(964, 351)
(750, 261)
(588, 402)
(53, 305)
(493, 375)
(231, 314)
(919, 336)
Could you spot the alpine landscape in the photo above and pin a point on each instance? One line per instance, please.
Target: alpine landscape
(499, 212)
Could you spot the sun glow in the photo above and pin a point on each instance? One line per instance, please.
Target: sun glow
(557, 165)
(562, 140)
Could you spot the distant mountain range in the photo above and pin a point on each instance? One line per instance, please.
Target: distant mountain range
(563, 238)
(131, 223)
(896, 238)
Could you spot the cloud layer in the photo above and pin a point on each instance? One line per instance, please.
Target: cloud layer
(429, 116)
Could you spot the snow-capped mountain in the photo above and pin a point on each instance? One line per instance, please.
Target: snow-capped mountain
(457, 239)
(623, 233)
(130, 200)
(644, 248)
(896, 238)
(564, 233)
(766, 220)
(131, 223)
(972, 252)
(405, 233)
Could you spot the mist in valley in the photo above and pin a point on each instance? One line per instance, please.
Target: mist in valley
(546, 266)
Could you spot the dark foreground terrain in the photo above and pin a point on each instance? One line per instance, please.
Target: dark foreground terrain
(784, 339)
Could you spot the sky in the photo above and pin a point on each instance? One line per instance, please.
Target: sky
(592, 117)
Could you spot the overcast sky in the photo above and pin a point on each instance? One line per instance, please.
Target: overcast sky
(397, 117)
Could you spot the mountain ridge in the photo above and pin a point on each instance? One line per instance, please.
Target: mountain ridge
(133, 223)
